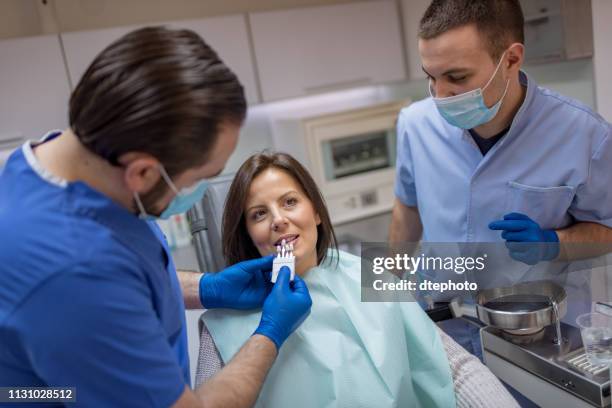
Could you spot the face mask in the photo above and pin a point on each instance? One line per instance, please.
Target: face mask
(182, 201)
(468, 110)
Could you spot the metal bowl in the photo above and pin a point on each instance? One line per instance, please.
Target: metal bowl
(525, 308)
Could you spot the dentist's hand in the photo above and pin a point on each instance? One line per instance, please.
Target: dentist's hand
(526, 241)
(244, 285)
(285, 309)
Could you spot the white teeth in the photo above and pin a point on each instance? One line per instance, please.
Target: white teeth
(285, 250)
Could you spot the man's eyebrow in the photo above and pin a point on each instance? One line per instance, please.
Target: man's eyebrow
(449, 72)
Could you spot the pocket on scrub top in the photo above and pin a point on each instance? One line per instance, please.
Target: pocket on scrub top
(545, 205)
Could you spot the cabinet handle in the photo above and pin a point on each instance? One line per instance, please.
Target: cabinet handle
(339, 85)
(537, 20)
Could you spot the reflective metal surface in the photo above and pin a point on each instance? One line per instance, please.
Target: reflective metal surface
(557, 364)
(525, 308)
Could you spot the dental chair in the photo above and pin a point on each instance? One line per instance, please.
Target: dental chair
(475, 385)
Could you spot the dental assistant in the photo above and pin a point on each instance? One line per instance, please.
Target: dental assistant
(492, 151)
(88, 294)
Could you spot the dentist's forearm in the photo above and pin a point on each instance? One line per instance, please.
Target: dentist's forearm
(238, 384)
(190, 286)
(584, 240)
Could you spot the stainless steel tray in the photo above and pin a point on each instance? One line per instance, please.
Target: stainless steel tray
(524, 308)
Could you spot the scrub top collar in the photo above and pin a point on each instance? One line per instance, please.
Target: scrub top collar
(518, 120)
(85, 201)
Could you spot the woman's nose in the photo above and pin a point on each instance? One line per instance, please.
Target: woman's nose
(279, 221)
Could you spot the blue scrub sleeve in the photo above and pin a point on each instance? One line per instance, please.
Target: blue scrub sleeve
(593, 199)
(102, 336)
(405, 189)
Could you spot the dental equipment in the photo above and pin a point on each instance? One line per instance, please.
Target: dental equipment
(284, 257)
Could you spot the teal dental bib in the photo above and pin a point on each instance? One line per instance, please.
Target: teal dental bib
(347, 353)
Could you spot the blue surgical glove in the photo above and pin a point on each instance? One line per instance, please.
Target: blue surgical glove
(244, 285)
(526, 241)
(285, 309)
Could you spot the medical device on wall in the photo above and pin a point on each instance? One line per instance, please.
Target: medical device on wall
(350, 154)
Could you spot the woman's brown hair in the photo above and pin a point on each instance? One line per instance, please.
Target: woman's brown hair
(237, 245)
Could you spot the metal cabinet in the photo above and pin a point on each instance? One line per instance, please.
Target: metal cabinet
(412, 12)
(317, 49)
(34, 88)
(557, 30)
(226, 34)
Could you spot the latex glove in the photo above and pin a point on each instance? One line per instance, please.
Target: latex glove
(244, 285)
(526, 241)
(286, 307)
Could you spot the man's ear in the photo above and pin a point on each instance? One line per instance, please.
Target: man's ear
(141, 171)
(516, 57)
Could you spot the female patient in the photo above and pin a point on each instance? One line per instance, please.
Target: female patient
(347, 353)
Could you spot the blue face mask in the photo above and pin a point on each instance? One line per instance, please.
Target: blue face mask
(182, 201)
(468, 110)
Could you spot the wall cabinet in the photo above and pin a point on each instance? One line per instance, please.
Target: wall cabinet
(412, 12)
(227, 35)
(33, 86)
(317, 49)
(557, 30)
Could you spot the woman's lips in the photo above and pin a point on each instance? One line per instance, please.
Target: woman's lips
(292, 242)
(287, 241)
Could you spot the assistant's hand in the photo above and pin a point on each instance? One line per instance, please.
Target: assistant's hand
(285, 309)
(526, 241)
(244, 285)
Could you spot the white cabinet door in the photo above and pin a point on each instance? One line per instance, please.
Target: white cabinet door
(412, 12)
(227, 35)
(34, 87)
(309, 50)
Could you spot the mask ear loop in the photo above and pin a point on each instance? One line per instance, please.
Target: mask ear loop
(141, 208)
(495, 73)
(167, 179)
(429, 88)
(507, 82)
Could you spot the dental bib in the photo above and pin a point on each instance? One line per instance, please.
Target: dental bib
(347, 353)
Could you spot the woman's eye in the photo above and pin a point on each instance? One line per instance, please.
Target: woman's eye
(257, 215)
(291, 201)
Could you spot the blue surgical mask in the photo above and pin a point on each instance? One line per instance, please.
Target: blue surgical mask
(468, 110)
(182, 201)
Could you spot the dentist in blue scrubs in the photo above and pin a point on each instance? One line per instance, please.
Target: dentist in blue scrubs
(89, 297)
(491, 156)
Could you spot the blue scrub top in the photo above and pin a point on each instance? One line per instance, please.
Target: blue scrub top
(180, 346)
(88, 294)
(554, 165)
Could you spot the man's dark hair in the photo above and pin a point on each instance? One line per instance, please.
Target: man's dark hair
(159, 91)
(499, 22)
